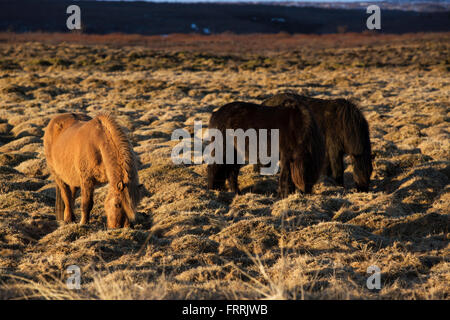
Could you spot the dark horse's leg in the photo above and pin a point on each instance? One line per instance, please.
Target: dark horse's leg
(233, 174)
(216, 176)
(285, 181)
(327, 166)
(87, 201)
(291, 186)
(337, 166)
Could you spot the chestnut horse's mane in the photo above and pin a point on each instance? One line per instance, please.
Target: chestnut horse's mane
(123, 152)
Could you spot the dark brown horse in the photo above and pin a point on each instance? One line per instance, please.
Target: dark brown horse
(345, 130)
(301, 145)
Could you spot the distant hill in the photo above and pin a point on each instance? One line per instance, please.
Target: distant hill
(165, 18)
(404, 5)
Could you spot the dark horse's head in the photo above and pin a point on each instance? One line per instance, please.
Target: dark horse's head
(356, 138)
(362, 170)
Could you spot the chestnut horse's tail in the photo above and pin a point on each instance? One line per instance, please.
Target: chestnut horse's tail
(120, 163)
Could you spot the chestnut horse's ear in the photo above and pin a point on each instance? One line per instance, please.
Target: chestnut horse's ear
(120, 185)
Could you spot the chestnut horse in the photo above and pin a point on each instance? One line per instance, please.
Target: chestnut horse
(83, 153)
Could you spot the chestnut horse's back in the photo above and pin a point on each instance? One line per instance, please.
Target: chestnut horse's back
(56, 126)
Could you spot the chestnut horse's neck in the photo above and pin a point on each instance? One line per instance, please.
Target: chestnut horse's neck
(119, 159)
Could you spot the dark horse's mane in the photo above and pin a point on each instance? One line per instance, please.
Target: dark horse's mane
(356, 129)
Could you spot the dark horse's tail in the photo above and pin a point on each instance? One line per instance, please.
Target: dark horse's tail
(356, 140)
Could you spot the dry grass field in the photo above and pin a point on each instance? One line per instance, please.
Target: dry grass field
(190, 243)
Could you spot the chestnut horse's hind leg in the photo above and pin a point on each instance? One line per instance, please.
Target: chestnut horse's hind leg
(66, 196)
(87, 201)
(73, 192)
(59, 204)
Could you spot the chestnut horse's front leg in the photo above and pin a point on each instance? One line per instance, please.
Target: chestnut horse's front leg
(87, 201)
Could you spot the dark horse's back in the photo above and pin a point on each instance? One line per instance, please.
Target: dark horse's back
(246, 115)
(345, 129)
(343, 120)
(295, 123)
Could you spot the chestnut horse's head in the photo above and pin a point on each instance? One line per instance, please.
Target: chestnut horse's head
(119, 207)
